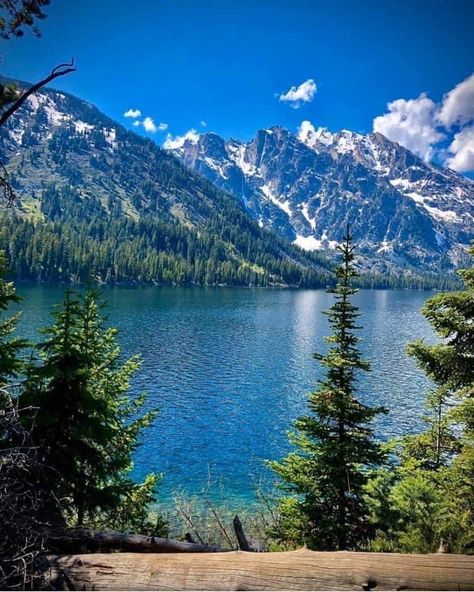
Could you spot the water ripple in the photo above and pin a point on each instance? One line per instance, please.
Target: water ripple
(230, 369)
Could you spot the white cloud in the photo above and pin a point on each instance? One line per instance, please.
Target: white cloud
(309, 135)
(149, 125)
(173, 142)
(203, 123)
(133, 113)
(297, 95)
(420, 124)
(462, 149)
(458, 104)
(411, 123)
(306, 132)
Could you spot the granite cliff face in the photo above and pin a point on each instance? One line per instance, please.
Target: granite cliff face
(403, 211)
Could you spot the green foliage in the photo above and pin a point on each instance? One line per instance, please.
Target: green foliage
(8, 94)
(133, 514)
(85, 424)
(328, 472)
(16, 15)
(432, 491)
(435, 447)
(10, 347)
(414, 502)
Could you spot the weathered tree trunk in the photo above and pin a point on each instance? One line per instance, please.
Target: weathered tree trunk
(296, 570)
(83, 540)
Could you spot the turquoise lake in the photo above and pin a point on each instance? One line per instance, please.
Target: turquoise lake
(230, 369)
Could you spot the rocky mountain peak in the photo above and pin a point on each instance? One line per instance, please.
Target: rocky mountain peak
(403, 211)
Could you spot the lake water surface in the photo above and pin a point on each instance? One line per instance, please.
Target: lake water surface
(230, 369)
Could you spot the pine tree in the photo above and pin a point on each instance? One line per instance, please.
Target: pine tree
(86, 425)
(450, 364)
(10, 347)
(430, 493)
(20, 540)
(451, 314)
(434, 448)
(327, 473)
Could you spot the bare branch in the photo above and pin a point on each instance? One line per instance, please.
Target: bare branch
(5, 187)
(60, 70)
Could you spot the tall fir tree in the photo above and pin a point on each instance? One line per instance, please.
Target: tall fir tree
(86, 424)
(450, 364)
(328, 472)
(428, 500)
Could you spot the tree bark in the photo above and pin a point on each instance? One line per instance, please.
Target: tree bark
(237, 570)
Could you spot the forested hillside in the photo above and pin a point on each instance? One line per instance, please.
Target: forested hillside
(97, 201)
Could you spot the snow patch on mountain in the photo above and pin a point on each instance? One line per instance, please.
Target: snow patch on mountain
(308, 243)
(346, 141)
(283, 205)
(312, 221)
(237, 154)
(82, 127)
(55, 117)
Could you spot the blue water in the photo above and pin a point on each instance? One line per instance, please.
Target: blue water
(230, 369)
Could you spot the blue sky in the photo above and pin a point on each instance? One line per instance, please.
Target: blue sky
(227, 62)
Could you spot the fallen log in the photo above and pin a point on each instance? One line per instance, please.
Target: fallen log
(83, 540)
(238, 570)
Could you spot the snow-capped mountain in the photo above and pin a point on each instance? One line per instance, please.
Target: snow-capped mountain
(402, 210)
(100, 199)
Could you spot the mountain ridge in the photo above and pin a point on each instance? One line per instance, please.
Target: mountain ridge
(403, 212)
(84, 179)
(77, 171)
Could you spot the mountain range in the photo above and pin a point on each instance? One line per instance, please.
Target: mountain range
(98, 200)
(403, 212)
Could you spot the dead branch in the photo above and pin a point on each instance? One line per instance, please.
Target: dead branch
(219, 523)
(189, 520)
(5, 186)
(22, 503)
(246, 543)
(59, 70)
(240, 534)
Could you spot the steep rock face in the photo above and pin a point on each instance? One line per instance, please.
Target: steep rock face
(403, 211)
